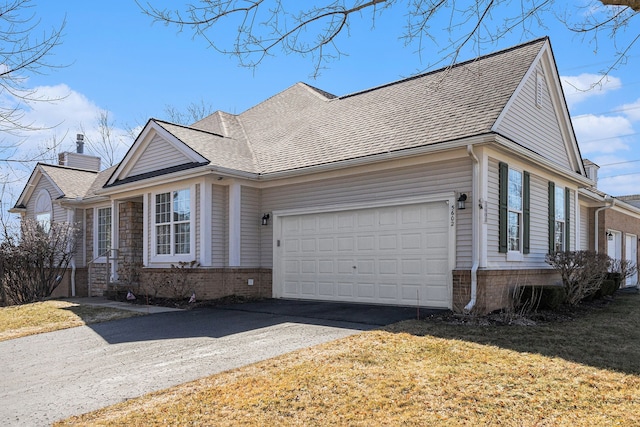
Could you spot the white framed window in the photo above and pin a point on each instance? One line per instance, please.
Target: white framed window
(102, 231)
(559, 219)
(515, 209)
(173, 228)
(43, 209)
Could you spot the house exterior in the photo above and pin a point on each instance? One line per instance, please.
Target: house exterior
(352, 198)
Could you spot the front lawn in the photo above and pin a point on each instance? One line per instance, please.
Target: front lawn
(584, 371)
(29, 319)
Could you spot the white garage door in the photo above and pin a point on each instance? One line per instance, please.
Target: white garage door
(388, 255)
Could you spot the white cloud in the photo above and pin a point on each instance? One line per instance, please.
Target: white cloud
(67, 113)
(619, 185)
(632, 110)
(602, 134)
(584, 86)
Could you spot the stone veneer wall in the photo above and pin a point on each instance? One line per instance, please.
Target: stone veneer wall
(495, 287)
(210, 283)
(130, 237)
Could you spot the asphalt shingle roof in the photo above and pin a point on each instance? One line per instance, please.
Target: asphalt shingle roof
(72, 182)
(304, 126)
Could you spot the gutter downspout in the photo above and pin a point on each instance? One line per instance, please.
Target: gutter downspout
(475, 230)
(71, 218)
(607, 199)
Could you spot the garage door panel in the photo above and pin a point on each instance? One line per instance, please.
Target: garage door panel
(410, 241)
(345, 289)
(291, 266)
(412, 266)
(366, 243)
(388, 266)
(308, 289)
(346, 221)
(308, 245)
(366, 266)
(326, 266)
(391, 255)
(388, 291)
(366, 290)
(346, 244)
(308, 267)
(326, 289)
(388, 242)
(326, 244)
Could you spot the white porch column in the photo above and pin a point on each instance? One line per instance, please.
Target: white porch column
(115, 228)
(205, 223)
(146, 206)
(234, 224)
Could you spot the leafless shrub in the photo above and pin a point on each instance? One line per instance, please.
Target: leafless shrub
(623, 268)
(582, 272)
(34, 262)
(177, 281)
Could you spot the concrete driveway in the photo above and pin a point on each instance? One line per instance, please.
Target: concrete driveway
(52, 376)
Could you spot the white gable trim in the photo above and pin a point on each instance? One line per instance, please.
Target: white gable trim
(32, 183)
(141, 143)
(546, 61)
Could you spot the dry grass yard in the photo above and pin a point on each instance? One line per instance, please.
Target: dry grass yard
(29, 319)
(583, 371)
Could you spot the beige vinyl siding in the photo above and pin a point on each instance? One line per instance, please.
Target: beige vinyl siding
(534, 127)
(159, 154)
(539, 224)
(58, 214)
(250, 223)
(584, 227)
(413, 181)
(219, 226)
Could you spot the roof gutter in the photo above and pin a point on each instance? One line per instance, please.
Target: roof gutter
(475, 230)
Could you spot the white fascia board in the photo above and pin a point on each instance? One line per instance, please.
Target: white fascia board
(33, 181)
(139, 186)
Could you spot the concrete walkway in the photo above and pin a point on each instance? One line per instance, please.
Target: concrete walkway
(122, 305)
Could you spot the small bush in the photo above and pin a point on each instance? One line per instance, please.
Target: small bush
(609, 287)
(33, 263)
(582, 272)
(542, 297)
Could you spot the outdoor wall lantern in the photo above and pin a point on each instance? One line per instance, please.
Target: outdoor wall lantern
(461, 201)
(609, 235)
(265, 219)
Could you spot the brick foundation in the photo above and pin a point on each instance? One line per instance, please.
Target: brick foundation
(208, 283)
(495, 287)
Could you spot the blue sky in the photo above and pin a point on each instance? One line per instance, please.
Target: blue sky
(118, 61)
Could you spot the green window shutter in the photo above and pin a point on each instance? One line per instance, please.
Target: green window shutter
(552, 216)
(567, 219)
(526, 213)
(503, 188)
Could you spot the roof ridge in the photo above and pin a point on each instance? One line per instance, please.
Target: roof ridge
(159, 121)
(440, 70)
(66, 167)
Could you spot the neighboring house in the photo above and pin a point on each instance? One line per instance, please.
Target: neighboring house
(353, 198)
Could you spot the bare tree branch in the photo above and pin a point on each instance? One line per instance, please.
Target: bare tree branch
(22, 52)
(251, 30)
